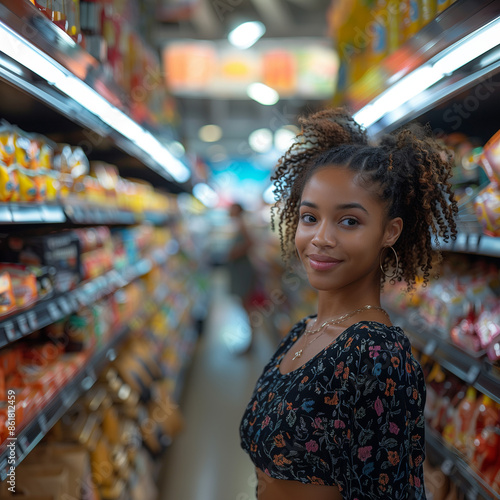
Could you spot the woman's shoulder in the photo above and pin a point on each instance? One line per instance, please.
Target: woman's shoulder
(366, 336)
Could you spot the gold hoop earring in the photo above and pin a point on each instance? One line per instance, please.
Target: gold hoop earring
(395, 273)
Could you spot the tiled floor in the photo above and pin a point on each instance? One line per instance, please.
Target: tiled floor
(206, 462)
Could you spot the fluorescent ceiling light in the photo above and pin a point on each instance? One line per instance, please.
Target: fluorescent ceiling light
(177, 149)
(261, 140)
(246, 34)
(469, 48)
(263, 94)
(210, 133)
(16, 47)
(397, 95)
(284, 138)
(419, 80)
(204, 193)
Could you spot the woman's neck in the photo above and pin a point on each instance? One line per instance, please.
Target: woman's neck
(333, 305)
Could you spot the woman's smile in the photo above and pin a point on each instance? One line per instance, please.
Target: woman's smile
(320, 262)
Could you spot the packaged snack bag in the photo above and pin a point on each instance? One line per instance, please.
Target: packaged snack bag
(487, 208)
(490, 159)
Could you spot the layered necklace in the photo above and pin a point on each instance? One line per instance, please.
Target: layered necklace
(333, 321)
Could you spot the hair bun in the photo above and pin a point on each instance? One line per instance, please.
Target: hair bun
(330, 128)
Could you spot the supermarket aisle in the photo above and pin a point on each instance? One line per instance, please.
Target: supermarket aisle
(206, 462)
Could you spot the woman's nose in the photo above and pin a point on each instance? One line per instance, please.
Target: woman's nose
(324, 235)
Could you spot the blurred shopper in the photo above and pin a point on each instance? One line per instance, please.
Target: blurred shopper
(338, 412)
(242, 276)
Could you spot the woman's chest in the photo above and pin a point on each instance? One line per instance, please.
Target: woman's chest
(319, 394)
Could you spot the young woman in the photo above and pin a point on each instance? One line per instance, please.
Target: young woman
(338, 411)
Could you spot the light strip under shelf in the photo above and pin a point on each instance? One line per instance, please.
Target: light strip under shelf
(29, 56)
(422, 78)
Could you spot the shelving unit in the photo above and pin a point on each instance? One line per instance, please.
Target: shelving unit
(45, 63)
(35, 430)
(454, 465)
(476, 371)
(42, 65)
(46, 312)
(432, 42)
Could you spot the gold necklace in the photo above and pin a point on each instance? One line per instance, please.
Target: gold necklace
(334, 321)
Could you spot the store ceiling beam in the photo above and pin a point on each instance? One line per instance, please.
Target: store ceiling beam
(206, 22)
(275, 16)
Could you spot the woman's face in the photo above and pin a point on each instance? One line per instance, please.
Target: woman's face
(341, 231)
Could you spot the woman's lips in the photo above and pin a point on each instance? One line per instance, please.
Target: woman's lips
(322, 262)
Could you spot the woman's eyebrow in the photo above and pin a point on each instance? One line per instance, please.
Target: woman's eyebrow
(344, 206)
(347, 206)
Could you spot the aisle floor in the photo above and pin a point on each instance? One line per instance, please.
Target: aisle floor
(206, 462)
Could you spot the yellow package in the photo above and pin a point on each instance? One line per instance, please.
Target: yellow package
(7, 146)
(26, 150)
(9, 187)
(27, 185)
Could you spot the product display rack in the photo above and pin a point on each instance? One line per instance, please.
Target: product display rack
(454, 466)
(80, 90)
(35, 430)
(457, 22)
(476, 371)
(46, 312)
(68, 80)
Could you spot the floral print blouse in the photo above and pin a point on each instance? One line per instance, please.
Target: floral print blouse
(351, 416)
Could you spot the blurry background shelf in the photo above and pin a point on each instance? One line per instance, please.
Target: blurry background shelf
(48, 311)
(32, 41)
(476, 371)
(453, 465)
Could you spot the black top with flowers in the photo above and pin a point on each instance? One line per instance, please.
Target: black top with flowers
(351, 416)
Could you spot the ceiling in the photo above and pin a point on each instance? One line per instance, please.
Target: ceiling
(212, 20)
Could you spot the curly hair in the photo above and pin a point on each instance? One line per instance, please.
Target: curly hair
(409, 170)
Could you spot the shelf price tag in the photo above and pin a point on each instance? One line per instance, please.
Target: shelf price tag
(447, 466)
(25, 444)
(73, 302)
(473, 242)
(430, 347)
(32, 320)
(64, 305)
(9, 330)
(54, 312)
(23, 324)
(472, 374)
(66, 399)
(89, 380)
(81, 297)
(42, 422)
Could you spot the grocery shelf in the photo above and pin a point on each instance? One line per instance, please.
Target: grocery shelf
(472, 243)
(476, 371)
(74, 212)
(454, 465)
(35, 430)
(421, 52)
(15, 213)
(189, 339)
(48, 311)
(43, 61)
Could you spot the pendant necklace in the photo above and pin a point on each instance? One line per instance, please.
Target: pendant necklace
(334, 321)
